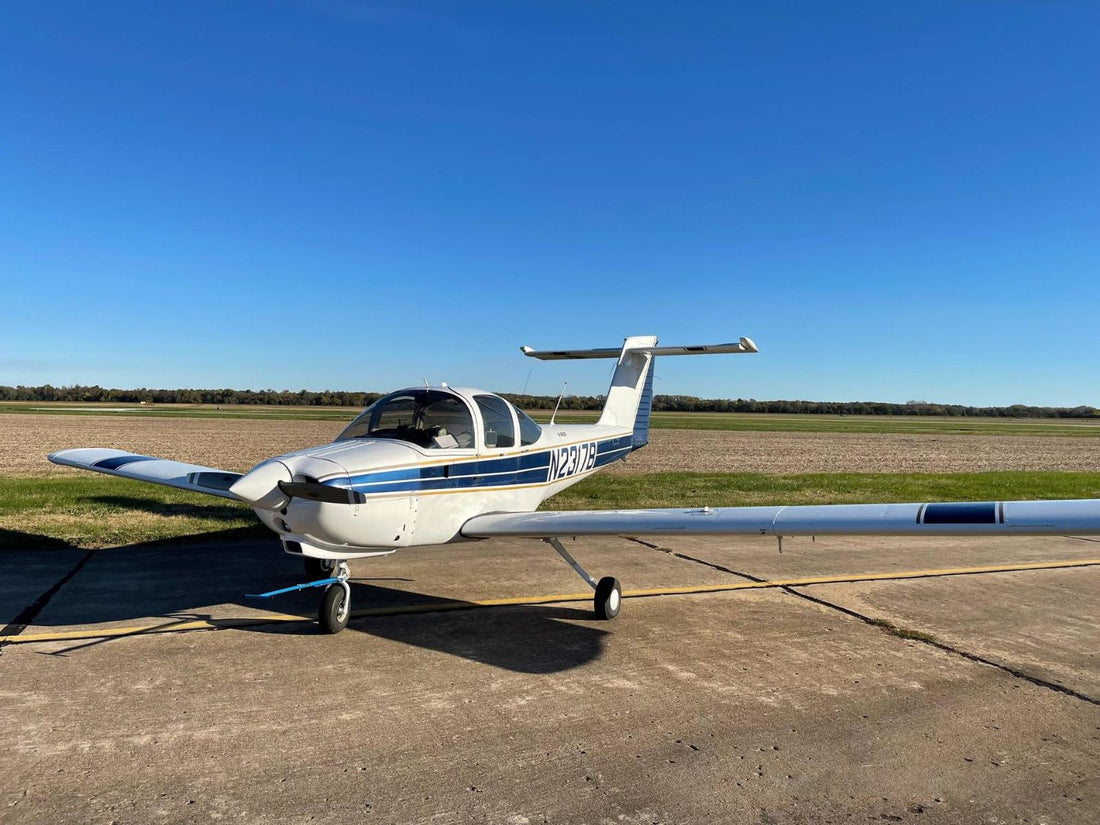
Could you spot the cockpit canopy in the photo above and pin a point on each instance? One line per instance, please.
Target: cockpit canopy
(427, 418)
(441, 419)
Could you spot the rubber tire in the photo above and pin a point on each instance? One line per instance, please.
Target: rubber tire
(609, 598)
(329, 614)
(316, 568)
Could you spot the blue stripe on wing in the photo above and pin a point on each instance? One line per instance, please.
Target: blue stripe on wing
(122, 460)
(977, 512)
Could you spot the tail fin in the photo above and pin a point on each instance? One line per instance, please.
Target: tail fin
(630, 397)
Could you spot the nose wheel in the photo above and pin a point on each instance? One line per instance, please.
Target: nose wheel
(335, 608)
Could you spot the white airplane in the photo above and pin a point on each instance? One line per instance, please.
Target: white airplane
(432, 465)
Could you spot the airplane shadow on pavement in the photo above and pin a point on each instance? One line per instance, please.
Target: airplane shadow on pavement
(47, 583)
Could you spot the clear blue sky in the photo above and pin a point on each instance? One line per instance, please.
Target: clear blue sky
(895, 200)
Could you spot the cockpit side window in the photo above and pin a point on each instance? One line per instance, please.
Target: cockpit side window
(529, 431)
(427, 418)
(496, 413)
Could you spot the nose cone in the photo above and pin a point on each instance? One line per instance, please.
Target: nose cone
(260, 486)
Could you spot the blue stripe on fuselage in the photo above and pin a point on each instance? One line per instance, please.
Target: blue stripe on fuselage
(507, 471)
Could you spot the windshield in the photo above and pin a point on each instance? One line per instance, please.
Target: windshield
(427, 418)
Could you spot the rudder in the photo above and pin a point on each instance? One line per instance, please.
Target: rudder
(645, 407)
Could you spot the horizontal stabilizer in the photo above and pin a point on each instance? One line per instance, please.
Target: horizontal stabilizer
(744, 345)
(147, 468)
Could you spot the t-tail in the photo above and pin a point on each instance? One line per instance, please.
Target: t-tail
(630, 397)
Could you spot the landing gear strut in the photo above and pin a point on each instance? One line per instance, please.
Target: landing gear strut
(335, 606)
(609, 595)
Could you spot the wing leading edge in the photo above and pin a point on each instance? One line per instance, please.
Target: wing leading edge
(1034, 518)
(147, 468)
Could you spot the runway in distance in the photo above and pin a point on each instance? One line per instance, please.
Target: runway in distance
(437, 464)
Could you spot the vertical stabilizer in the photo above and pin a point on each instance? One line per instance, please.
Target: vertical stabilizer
(629, 385)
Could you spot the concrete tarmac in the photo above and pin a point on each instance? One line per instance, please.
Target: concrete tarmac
(905, 682)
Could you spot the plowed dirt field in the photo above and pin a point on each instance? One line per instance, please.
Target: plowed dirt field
(238, 444)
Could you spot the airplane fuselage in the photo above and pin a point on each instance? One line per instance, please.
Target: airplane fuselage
(411, 495)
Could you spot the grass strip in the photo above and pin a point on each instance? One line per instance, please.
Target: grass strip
(97, 511)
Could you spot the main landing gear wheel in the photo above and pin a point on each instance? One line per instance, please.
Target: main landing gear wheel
(609, 595)
(335, 608)
(609, 598)
(318, 568)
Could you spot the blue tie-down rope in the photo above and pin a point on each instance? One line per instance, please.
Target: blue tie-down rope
(295, 588)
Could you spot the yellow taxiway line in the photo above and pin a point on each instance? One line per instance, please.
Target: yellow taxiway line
(458, 604)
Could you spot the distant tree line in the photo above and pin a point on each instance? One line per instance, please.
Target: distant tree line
(687, 403)
(325, 398)
(661, 403)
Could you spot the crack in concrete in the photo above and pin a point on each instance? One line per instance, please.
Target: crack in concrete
(855, 614)
(973, 657)
(29, 613)
(686, 557)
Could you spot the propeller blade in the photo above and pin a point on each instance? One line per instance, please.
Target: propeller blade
(315, 491)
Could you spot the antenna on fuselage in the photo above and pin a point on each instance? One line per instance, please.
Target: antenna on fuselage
(426, 384)
(564, 384)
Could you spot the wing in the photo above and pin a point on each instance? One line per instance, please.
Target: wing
(1035, 518)
(147, 468)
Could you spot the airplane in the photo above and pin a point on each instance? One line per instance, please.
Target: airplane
(432, 465)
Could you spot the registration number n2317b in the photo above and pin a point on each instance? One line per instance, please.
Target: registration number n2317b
(568, 461)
